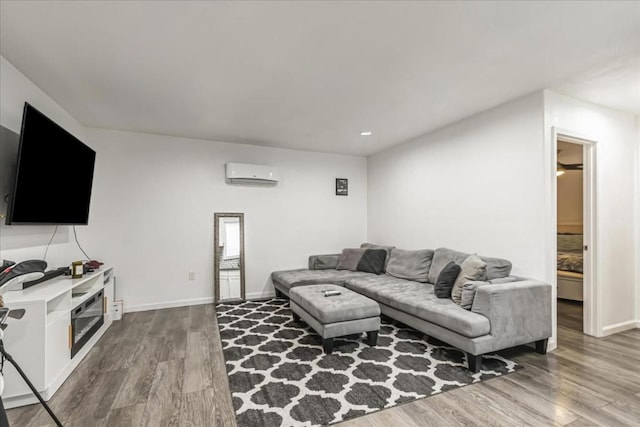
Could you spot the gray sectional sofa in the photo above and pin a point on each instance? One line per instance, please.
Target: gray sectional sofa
(506, 311)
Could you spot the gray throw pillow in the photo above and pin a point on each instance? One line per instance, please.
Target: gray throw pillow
(410, 265)
(469, 293)
(442, 257)
(497, 267)
(386, 248)
(446, 279)
(349, 259)
(472, 269)
(372, 261)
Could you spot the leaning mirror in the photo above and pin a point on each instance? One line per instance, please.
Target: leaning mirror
(229, 257)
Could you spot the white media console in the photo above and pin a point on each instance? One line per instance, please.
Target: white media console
(41, 341)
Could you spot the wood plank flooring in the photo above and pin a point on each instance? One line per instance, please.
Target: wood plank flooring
(570, 314)
(166, 368)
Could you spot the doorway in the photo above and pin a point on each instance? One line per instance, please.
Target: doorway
(575, 233)
(570, 232)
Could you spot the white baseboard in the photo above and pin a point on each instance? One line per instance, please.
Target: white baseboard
(551, 345)
(260, 295)
(620, 327)
(168, 304)
(188, 302)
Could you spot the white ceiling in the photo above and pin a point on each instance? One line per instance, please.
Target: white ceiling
(312, 75)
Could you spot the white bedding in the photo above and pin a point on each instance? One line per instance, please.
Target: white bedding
(570, 252)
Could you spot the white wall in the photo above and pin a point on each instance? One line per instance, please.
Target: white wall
(483, 185)
(155, 196)
(22, 242)
(474, 186)
(617, 186)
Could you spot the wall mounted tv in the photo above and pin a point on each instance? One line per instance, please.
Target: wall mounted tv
(54, 174)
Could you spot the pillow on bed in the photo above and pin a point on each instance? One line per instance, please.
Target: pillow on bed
(569, 242)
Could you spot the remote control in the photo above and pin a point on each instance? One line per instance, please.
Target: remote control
(332, 293)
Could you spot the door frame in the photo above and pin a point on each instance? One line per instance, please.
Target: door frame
(590, 289)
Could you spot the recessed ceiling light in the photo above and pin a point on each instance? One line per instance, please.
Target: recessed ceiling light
(366, 133)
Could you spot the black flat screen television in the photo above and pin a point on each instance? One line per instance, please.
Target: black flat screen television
(54, 174)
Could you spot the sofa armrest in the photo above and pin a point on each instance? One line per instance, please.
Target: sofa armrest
(323, 262)
(518, 312)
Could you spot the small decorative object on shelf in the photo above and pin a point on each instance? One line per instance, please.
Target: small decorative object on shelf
(342, 187)
(76, 270)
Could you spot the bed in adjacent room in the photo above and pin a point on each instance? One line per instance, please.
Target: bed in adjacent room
(570, 266)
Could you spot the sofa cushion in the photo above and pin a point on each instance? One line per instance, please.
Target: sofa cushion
(442, 257)
(410, 265)
(374, 246)
(372, 261)
(349, 259)
(323, 262)
(446, 279)
(419, 300)
(285, 280)
(497, 268)
(473, 268)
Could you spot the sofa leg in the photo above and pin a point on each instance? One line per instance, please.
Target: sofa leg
(541, 346)
(327, 345)
(372, 338)
(474, 362)
(280, 294)
(294, 316)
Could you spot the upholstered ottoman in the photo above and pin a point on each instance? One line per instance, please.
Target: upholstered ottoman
(336, 315)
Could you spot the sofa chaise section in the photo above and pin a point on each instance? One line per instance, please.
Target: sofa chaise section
(502, 315)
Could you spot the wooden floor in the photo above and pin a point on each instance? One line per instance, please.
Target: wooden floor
(165, 367)
(570, 315)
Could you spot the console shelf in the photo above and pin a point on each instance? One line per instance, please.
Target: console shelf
(40, 341)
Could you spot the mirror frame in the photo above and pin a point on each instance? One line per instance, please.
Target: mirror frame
(216, 258)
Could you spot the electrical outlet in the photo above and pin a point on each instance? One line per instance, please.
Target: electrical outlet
(117, 309)
(192, 275)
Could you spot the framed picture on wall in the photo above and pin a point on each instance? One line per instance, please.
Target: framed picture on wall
(342, 187)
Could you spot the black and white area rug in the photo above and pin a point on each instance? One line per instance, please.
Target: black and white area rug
(279, 375)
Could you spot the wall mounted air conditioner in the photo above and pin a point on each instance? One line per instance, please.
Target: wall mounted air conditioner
(251, 174)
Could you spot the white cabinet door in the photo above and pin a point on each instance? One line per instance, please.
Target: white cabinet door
(224, 285)
(234, 284)
(108, 302)
(57, 347)
(24, 339)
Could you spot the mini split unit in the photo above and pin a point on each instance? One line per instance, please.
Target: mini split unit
(238, 173)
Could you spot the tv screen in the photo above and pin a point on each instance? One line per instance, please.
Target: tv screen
(54, 174)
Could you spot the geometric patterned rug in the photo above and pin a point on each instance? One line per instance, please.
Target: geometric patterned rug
(280, 376)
